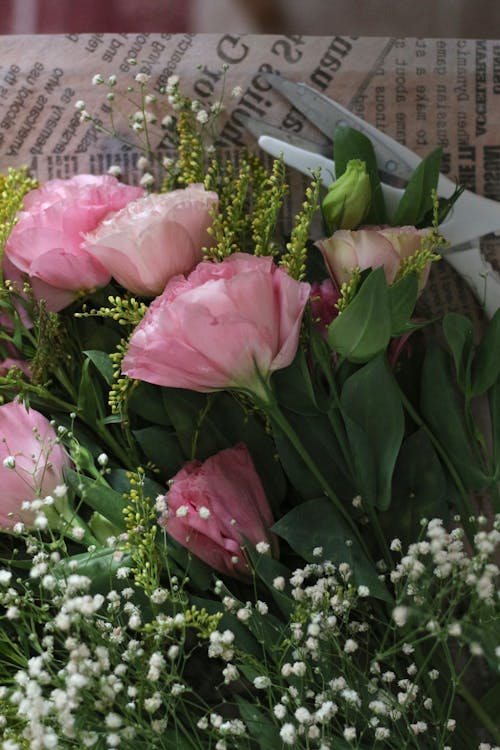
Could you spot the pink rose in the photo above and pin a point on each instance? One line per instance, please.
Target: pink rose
(371, 247)
(229, 324)
(324, 298)
(46, 242)
(154, 238)
(211, 506)
(31, 462)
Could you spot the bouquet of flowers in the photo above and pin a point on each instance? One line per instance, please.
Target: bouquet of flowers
(248, 486)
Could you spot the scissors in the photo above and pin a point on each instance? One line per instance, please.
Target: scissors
(470, 217)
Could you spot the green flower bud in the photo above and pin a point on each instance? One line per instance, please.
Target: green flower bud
(348, 199)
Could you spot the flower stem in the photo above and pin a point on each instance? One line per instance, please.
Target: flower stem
(479, 712)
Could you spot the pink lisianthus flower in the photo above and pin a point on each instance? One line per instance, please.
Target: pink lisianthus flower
(214, 506)
(154, 238)
(324, 297)
(228, 325)
(31, 462)
(371, 247)
(46, 242)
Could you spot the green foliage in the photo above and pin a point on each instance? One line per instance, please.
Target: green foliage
(372, 410)
(363, 329)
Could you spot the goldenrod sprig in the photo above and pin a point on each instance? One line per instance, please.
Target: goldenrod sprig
(13, 187)
(268, 200)
(231, 220)
(127, 311)
(140, 520)
(348, 290)
(294, 260)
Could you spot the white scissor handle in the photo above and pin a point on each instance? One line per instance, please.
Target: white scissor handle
(307, 161)
(471, 216)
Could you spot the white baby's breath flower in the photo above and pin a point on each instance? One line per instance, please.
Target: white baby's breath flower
(147, 180)
(261, 682)
(288, 733)
(400, 615)
(5, 577)
(97, 80)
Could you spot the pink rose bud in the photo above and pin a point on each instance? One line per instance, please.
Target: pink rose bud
(31, 462)
(228, 325)
(46, 242)
(212, 507)
(371, 247)
(324, 298)
(154, 238)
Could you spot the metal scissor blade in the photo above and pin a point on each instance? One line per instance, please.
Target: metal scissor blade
(259, 128)
(325, 114)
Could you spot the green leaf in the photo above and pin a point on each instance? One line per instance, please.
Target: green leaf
(419, 489)
(206, 425)
(459, 335)
(363, 330)
(317, 523)
(264, 731)
(402, 300)
(102, 362)
(294, 387)
(417, 200)
(120, 482)
(317, 437)
(443, 412)
(348, 144)
(90, 402)
(146, 401)
(486, 365)
(375, 424)
(161, 447)
(99, 497)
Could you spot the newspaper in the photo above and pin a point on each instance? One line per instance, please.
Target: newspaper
(424, 92)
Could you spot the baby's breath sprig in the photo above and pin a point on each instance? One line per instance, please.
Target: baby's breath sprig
(269, 195)
(140, 520)
(294, 259)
